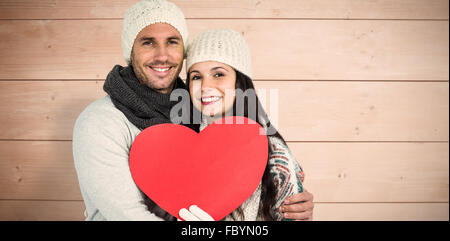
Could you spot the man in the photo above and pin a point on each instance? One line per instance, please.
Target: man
(154, 39)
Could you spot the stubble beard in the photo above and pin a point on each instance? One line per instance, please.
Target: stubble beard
(143, 79)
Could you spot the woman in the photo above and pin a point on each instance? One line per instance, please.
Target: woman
(218, 72)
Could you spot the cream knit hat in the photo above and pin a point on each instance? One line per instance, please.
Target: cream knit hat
(147, 12)
(222, 45)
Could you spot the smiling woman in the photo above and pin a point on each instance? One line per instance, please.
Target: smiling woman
(213, 87)
(218, 64)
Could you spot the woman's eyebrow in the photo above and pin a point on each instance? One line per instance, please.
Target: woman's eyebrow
(218, 67)
(192, 71)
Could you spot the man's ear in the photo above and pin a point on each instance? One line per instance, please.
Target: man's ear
(131, 57)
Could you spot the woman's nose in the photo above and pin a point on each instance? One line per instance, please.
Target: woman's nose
(207, 84)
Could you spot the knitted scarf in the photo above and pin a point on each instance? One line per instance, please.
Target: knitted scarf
(141, 105)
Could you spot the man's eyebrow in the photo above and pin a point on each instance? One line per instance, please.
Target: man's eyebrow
(152, 38)
(146, 39)
(174, 38)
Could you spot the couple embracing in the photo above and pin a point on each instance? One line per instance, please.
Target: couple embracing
(218, 65)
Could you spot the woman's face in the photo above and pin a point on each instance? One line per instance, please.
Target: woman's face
(212, 87)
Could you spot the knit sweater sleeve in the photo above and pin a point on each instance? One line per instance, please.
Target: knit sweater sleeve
(101, 150)
(287, 173)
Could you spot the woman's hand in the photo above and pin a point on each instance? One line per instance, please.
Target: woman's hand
(194, 214)
(299, 206)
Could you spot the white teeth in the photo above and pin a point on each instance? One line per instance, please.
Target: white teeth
(160, 69)
(210, 99)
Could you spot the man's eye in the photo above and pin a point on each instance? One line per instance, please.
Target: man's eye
(147, 43)
(173, 42)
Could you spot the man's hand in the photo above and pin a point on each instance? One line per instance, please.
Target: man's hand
(299, 207)
(194, 214)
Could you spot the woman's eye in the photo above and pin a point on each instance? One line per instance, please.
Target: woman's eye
(217, 75)
(195, 77)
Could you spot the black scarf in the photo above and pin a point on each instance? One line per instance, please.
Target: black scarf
(142, 106)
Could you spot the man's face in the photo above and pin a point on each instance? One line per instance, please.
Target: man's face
(157, 56)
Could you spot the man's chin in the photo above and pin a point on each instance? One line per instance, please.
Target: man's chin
(163, 89)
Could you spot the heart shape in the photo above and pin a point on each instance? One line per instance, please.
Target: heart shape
(216, 169)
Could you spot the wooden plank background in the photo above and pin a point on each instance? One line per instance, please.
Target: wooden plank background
(363, 97)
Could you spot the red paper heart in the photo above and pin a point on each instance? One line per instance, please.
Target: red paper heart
(216, 169)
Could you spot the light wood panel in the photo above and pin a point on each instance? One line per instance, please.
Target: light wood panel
(345, 172)
(73, 210)
(307, 111)
(381, 212)
(281, 49)
(38, 170)
(32, 210)
(52, 106)
(340, 9)
(362, 111)
(363, 92)
(375, 172)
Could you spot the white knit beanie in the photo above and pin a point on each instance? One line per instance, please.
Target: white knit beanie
(147, 12)
(222, 45)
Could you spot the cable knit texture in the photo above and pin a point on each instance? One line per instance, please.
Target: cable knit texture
(142, 105)
(222, 45)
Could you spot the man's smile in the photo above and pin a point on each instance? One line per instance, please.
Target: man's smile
(161, 71)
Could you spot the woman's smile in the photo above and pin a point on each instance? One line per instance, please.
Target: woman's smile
(208, 100)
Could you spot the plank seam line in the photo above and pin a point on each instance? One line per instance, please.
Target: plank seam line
(262, 18)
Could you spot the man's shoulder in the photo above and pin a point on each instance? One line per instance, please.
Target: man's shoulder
(100, 113)
(102, 105)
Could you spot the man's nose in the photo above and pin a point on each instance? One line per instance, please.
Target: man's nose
(161, 55)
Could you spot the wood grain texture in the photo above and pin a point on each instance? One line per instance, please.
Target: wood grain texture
(362, 87)
(307, 111)
(291, 50)
(381, 212)
(17, 210)
(32, 210)
(375, 172)
(320, 9)
(38, 170)
(345, 172)
(52, 106)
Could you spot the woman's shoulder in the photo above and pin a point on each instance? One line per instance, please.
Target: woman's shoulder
(279, 148)
(282, 159)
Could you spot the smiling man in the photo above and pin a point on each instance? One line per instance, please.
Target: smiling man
(157, 56)
(154, 40)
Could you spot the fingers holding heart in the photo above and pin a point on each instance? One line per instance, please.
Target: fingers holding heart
(195, 214)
